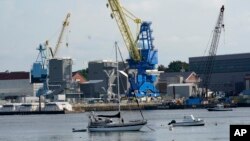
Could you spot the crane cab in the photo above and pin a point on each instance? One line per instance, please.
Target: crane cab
(38, 73)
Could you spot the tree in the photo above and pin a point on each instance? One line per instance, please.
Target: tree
(174, 66)
(177, 66)
(84, 72)
(161, 68)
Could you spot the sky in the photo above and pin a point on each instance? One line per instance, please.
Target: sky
(181, 28)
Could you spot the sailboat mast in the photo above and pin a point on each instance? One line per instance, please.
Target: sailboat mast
(117, 75)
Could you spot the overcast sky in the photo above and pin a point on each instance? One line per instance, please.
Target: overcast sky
(182, 29)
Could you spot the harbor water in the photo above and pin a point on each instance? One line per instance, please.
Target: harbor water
(59, 127)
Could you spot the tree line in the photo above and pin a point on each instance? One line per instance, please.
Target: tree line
(174, 66)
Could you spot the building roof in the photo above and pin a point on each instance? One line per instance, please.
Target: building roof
(101, 61)
(185, 75)
(246, 92)
(182, 84)
(222, 57)
(14, 75)
(93, 81)
(79, 77)
(76, 72)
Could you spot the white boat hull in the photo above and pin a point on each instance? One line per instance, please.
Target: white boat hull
(188, 121)
(196, 123)
(117, 127)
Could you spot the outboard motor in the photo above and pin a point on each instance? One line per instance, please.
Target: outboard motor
(173, 121)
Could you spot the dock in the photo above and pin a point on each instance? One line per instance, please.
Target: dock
(134, 106)
(31, 112)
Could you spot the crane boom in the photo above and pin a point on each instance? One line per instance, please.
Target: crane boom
(118, 13)
(59, 41)
(213, 49)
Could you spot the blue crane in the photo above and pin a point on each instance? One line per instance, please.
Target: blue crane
(143, 55)
(142, 83)
(39, 71)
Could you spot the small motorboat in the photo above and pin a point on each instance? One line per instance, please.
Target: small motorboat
(78, 130)
(188, 121)
(219, 107)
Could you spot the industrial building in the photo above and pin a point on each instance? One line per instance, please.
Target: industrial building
(93, 89)
(228, 71)
(102, 78)
(16, 84)
(61, 81)
(183, 90)
(60, 75)
(178, 80)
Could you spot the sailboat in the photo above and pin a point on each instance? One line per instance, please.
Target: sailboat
(106, 123)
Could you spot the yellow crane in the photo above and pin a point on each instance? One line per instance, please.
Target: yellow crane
(59, 41)
(120, 13)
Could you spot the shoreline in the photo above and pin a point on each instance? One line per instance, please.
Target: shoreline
(81, 108)
(143, 106)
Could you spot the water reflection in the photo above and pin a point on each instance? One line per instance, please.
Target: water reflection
(120, 136)
(59, 127)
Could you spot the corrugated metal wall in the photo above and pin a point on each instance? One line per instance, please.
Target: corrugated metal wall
(20, 87)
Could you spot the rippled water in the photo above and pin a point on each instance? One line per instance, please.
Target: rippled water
(59, 127)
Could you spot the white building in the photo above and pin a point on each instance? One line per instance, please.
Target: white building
(182, 90)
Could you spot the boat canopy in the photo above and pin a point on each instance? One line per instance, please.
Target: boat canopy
(118, 115)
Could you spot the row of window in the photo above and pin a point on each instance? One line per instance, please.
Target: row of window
(222, 66)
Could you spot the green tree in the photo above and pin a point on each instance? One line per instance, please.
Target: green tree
(177, 66)
(84, 72)
(161, 68)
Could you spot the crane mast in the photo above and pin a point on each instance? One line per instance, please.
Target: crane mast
(212, 51)
(118, 13)
(59, 41)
